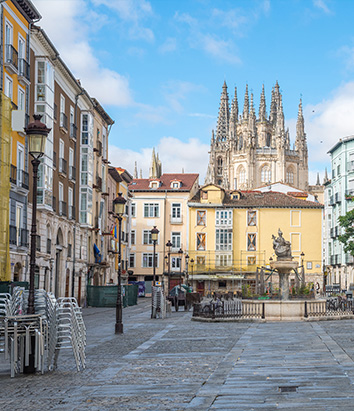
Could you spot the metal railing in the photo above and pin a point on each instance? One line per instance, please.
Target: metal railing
(13, 235)
(13, 174)
(63, 121)
(62, 208)
(72, 173)
(11, 55)
(24, 69)
(333, 306)
(62, 165)
(227, 309)
(73, 131)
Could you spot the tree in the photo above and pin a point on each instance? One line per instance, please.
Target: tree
(347, 222)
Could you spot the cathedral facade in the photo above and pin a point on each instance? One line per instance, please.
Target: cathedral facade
(247, 152)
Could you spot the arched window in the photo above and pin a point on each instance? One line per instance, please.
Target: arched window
(241, 175)
(268, 140)
(219, 169)
(290, 176)
(266, 174)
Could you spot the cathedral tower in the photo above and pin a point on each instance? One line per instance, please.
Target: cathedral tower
(248, 152)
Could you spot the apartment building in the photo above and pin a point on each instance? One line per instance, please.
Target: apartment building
(339, 192)
(16, 18)
(230, 236)
(161, 201)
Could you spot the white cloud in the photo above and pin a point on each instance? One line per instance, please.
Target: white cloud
(170, 44)
(132, 12)
(174, 154)
(69, 25)
(177, 91)
(320, 4)
(221, 49)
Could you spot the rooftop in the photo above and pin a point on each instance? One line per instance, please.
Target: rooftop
(187, 181)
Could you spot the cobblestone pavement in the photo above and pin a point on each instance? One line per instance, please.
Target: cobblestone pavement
(179, 364)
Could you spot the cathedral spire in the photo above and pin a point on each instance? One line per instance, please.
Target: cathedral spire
(300, 124)
(246, 105)
(280, 118)
(155, 167)
(262, 106)
(325, 179)
(136, 170)
(252, 118)
(222, 128)
(234, 117)
(318, 179)
(273, 108)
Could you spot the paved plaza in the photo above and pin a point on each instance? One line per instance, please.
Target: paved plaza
(179, 364)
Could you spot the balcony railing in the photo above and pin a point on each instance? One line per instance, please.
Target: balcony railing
(13, 235)
(73, 131)
(62, 208)
(24, 237)
(38, 243)
(336, 259)
(23, 179)
(63, 121)
(72, 212)
(13, 174)
(11, 55)
(176, 220)
(349, 259)
(62, 165)
(24, 69)
(72, 173)
(49, 246)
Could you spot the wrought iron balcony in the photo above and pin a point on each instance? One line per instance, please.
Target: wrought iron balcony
(13, 235)
(62, 165)
(11, 56)
(23, 70)
(73, 131)
(63, 122)
(72, 173)
(62, 208)
(13, 174)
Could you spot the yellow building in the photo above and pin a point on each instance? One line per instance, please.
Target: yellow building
(16, 18)
(230, 236)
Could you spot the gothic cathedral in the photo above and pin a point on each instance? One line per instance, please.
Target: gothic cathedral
(246, 152)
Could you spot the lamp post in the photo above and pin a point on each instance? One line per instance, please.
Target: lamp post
(187, 260)
(154, 237)
(302, 270)
(168, 245)
(180, 252)
(37, 133)
(118, 209)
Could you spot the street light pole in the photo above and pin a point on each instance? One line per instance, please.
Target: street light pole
(37, 133)
(192, 265)
(154, 237)
(168, 245)
(180, 252)
(118, 208)
(187, 259)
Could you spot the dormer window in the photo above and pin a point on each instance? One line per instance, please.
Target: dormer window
(175, 184)
(154, 184)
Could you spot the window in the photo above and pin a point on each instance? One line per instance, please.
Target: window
(151, 210)
(251, 260)
(176, 263)
(21, 99)
(8, 86)
(201, 217)
(251, 242)
(70, 202)
(147, 237)
(19, 217)
(133, 209)
(223, 239)
(290, 176)
(309, 265)
(148, 260)
(223, 260)
(338, 170)
(176, 240)
(223, 217)
(83, 208)
(204, 195)
(251, 218)
(132, 237)
(241, 176)
(222, 284)
(219, 168)
(265, 174)
(176, 212)
(20, 163)
(85, 129)
(132, 260)
(175, 184)
(201, 241)
(154, 184)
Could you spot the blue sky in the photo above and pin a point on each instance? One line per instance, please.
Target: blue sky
(158, 67)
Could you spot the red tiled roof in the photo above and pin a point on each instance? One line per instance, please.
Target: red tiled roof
(267, 199)
(187, 180)
(297, 194)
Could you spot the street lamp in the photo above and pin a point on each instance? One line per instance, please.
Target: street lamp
(180, 252)
(302, 270)
(154, 237)
(118, 209)
(168, 245)
(187, 259)
(37, 133)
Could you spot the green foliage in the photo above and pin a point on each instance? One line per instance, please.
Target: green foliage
(347, 222)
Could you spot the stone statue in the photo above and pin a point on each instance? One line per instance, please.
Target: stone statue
(281, 247)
